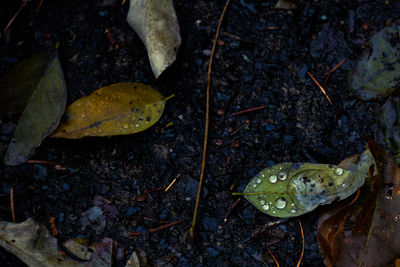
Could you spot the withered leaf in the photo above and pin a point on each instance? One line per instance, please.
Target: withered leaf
(32, 243)
(156, 23)
(117, 109)
(372, 239)
(377, 73)
(47, 99)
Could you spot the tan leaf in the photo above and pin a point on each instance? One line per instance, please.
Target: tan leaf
(156, 23)
(32, 243)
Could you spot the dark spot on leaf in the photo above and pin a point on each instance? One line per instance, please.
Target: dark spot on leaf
(323, 192)
(312, 185)
(311, 190)
(130, 102)
(13, 241)
(330, 184)
(140, 119)
(148, 119)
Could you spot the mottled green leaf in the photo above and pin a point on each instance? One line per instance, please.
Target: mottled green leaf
(42, 113)
(32, 243)
(117, 109)
(377, 73)
(292, 189)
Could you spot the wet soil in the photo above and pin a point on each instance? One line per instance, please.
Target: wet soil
(263, 59)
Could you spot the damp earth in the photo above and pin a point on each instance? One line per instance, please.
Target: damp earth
(263, 58)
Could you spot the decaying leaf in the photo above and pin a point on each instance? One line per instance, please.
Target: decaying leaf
(377, 73)
(117, 109)
(292, 189)
(156, 23)
(32, 243)
(133, 260)
(372, 223)
(21, 81)
(285, 4)
(47, 99)
(389, 119)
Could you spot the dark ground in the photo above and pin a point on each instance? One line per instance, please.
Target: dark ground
(266, 67)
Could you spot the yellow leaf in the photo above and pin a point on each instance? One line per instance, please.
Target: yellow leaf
(117, 109)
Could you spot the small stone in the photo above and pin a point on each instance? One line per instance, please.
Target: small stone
(66, 187)
(270, 127)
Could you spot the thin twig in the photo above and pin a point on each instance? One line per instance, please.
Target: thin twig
(248, 110)
(320, 87)
(273, 257)
(172, 183)
(54, 231)
(233, 206)
(12, 203)
(39, 6)
(207, 123)
(35, 161)
(166, 226)
(302, 250)
(23, 4)
(158, 228)
(333, 70)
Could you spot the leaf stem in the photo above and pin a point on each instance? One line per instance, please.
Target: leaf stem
(169, 97)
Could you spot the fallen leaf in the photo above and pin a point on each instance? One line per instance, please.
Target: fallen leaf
(117, 109)
(46, 104)
(389, 119)
(377, 73)
(156, 23)
(285, 4)
(292, 189)
(18, 85)
(32, 243)
(372, 222)
(133, 260)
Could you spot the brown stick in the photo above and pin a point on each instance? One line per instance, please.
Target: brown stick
(12, 203)
(333, 70)
(273, 257)
(302, 250)
(158, 228)
(23, 4)
(207, 123)
(233, 206)
(166, 226)
(248, 110)
(320, 87)
(172, 183)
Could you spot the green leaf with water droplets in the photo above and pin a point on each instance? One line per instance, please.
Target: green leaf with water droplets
(117, 109)
(292, 189)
